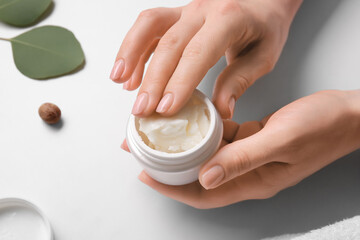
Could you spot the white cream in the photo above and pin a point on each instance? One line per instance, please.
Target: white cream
(19, 223)
(178, 133)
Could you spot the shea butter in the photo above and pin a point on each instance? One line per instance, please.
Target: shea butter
(178, 133)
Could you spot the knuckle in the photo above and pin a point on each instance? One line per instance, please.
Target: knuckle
(152, 83)
(193, 50)
(146, 13)
(168, 41)
(268, 64)
(149, 14)
(268, 189)
(268, 193)
(242, 82)
(198, 3)
(226, 7)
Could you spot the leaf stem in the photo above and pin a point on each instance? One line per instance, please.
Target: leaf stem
(5, 39)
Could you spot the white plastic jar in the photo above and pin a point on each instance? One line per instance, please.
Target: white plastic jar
(176, 168)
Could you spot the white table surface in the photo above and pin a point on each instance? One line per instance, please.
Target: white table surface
(88, 187)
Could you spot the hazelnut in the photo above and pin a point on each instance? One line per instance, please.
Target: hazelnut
(50, 113)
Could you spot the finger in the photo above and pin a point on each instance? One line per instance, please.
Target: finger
(151, 24)
(202, 52)
(234, 131)
(223, 143)
(247, 129)
(252, 185)
(136, 78)
(266, 119)
(124, 146)
(237, 78)
(164, 62)
(239, 157)
(230, 130)
(192, 190)
(193, 194)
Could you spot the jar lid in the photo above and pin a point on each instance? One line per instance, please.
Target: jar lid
(20, 219)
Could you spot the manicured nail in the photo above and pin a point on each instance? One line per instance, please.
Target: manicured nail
(141, 177)
(212, 177)
(126, 84)
(140, 103)
(165, 103)
(124, 146)
(231, 106)
(117, 70)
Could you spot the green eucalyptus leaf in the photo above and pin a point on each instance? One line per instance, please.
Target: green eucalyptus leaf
(22, 12)
(47, 52)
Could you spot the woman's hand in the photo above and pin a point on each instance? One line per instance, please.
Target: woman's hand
(187, 41)
(259, 159)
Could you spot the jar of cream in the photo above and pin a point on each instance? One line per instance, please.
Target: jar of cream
(172, 149)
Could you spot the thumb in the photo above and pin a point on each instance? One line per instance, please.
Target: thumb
(237, 78)
(238, 158)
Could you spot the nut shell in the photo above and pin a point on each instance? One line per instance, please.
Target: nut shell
(50, 113)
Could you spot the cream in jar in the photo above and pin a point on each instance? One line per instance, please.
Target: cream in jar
(179, 132)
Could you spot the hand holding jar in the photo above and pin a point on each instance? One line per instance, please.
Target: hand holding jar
(256, 159)
(259, 159)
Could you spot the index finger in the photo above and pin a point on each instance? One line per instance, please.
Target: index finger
(150, 25)
(202, 52)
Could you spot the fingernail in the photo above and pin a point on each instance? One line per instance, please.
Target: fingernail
(231, 106)
(124, 146)
(126, 84)
(212, 177)
(141, 177)
(117, 70)
(165, 103)
(140, 103)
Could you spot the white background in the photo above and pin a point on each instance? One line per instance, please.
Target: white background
(88, 187)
